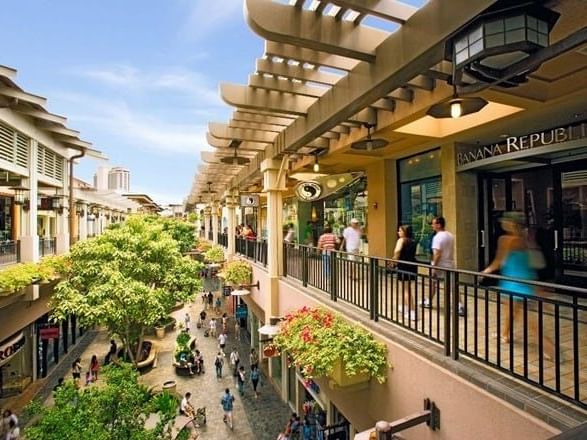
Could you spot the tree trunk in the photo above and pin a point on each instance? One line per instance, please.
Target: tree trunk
(139, 345)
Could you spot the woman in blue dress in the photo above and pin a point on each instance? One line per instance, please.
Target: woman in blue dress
(513, 260)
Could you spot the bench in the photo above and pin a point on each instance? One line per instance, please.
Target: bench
(151, 359)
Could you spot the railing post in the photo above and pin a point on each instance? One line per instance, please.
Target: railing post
(455, 315)
(333, 276)
(447, 311)
(305, 266)
(285, 259)
(373, 289)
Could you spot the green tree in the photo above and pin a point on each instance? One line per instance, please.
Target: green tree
(116, 410)
(126, 279)
(180, 230)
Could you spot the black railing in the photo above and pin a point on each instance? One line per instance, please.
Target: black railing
(9, 252)
(464, 311)
(210, 236)
(255, 250)
(47, 246)
(223, 239)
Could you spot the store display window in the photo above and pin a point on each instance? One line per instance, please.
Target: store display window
(420, 197)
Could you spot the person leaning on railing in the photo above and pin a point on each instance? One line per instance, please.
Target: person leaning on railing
(513, 260)
(327, 243)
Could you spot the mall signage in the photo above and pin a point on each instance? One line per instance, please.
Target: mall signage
(251, 200)
(323, 186)
(516, 144)
(11, 347)
(47, 333)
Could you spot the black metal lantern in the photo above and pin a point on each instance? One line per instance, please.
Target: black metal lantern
(505, 34)
(19, 194)
(79, 209)
(57, 203)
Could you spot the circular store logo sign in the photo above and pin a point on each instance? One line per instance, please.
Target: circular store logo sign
(308, 191)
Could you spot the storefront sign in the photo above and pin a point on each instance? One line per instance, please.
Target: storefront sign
(250, 200)
(514, 144)
(308, 191)
(11, 347)
(241, 311)
(49, 333)
(324, 186)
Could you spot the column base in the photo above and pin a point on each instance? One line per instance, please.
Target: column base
(29, 249)
(62, 244)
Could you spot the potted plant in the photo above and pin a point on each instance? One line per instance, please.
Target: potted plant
(18, 276)
(238, 272)
(215, 254)
(322, 343)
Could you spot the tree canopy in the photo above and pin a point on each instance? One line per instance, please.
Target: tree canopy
(118, 409)
(127, 279)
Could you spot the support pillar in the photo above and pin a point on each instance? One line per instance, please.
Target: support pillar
(274, 186)
(231, 227)
(206, 224)
(29, 241)
(83, 222)
(215, 224)
(62, 221)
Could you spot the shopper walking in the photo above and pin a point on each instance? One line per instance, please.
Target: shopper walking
(210, 300)
(241, 377)
(219, 363)
(213, 327)
(227, 403)
(76, 371)
(186, 322)
(234, 361)
(222, 341)
(405, 250)
(327, 243)
(255, 376)
(513, 260)
(351, 243)
(94, 368)
(253, 358)
(443, 251)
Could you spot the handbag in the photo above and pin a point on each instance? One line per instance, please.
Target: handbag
(536, 258)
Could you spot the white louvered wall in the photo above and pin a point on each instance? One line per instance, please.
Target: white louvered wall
(14, 146)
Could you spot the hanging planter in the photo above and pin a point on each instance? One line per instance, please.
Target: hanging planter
(322, 343)
(238, 273)
(270, 350)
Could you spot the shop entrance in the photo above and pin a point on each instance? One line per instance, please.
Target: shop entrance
(554, 200)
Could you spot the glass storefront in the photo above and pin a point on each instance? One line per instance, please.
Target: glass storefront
(5, 218)
(420, 197)
(15, 364)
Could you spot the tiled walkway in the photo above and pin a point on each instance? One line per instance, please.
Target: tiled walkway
(254, 419)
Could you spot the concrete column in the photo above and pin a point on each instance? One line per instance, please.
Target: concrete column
(459, 208)
(382, 212)
(62, 221)
(259, 221)
(206, 226)
(215, 223)
(273, 185)
(231, 217)
(29, 241)
(83, 223)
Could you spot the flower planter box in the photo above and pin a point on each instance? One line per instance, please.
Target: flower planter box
(342, 379)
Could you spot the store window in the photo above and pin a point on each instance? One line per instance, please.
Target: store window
(420, 197)
(5, 218)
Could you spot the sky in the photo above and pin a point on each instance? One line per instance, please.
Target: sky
(138, 78)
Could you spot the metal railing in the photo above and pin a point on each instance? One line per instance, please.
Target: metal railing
(223, 239)
(47, 246)
(527, 329)
(211, 236)
(255, 250)
(9, 252)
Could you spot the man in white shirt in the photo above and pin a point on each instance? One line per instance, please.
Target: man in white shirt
(351, 243)
(186, 408)
(222, 341)
(443, 251)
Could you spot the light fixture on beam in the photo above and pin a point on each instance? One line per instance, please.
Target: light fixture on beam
(369, 144)
(316, 166)
(457, 107)
(235, 160)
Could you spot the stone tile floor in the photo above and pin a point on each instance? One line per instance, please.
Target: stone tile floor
(254, 419)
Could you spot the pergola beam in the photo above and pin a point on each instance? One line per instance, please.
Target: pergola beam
(297, 72)
(391, 10)
(289, 52)
(23, 96)
(263, 119)
(288, 86)
(255, 126)
(223, 131)
(312, 30)
(416, 47)
(250, 98)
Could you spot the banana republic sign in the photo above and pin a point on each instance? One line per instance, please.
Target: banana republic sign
(517, 145)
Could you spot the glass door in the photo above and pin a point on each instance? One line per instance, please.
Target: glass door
(572, 238)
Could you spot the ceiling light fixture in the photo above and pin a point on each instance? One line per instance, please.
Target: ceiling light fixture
(456, 106)
(316, 167)
(369, 144)
(235, 160)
